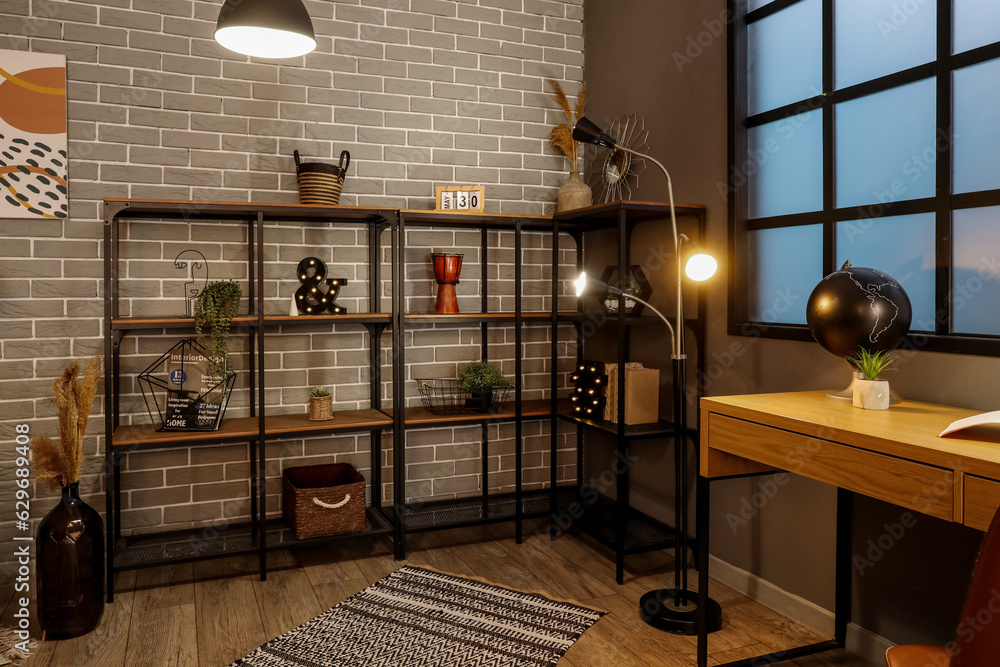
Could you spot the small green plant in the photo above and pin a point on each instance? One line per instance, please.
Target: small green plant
(213, 315)
(319, 391)
(480, 376)
(872, 364)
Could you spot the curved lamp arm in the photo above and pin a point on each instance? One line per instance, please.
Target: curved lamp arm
(583, 280)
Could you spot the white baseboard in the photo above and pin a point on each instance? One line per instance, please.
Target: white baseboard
(861, 642)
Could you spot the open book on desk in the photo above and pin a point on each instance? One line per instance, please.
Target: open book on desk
(976, 420)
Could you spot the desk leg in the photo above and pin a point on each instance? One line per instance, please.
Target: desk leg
(703, 492)
(844, 568)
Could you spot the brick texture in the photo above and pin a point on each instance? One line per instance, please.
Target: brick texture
(421, 92)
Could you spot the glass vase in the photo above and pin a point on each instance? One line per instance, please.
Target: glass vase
(70, 568)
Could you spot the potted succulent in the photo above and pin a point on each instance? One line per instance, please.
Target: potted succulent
(870, 392)
(213, 316)
(320, 404)
(483, 380)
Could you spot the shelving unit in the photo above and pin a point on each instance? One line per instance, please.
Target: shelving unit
(261, 533)
(487, 507)
(613, 521)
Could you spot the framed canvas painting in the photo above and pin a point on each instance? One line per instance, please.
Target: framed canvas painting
(33, 155)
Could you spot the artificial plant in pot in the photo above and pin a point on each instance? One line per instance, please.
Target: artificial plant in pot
(70, 567)
(213, 316)
(483, 380)
(320, 404)
(870, 392)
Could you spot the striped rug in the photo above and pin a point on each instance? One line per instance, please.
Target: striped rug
(419, 618)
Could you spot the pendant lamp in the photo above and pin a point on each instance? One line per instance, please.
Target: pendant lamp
(266, 28)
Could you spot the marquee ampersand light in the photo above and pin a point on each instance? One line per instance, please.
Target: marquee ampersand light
(311, 298)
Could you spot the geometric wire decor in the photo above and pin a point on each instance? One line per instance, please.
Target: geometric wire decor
(181, 391)
(614, 174)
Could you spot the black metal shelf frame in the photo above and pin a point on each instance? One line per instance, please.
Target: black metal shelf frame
(622, 532)
(261, 534)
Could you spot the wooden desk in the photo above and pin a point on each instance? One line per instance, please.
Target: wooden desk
(893, 455)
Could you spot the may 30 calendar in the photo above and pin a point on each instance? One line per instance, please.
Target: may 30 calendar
(461, 198)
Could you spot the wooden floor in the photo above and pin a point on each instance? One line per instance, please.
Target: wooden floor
(211, 613)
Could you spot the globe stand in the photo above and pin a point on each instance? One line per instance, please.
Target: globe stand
(848, 393)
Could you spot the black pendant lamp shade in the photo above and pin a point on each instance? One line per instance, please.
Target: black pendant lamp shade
(587, 132)
(266, 28)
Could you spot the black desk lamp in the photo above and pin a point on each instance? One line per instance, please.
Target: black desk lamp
(670, 609)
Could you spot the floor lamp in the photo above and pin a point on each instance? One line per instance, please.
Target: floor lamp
(670, 609)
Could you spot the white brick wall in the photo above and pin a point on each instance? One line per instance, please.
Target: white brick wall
(421, 92)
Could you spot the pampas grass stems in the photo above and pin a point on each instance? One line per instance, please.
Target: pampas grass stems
(562, 134)
(59, 464)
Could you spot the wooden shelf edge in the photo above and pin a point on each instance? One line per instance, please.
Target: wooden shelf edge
(247, 428)
(120, 323)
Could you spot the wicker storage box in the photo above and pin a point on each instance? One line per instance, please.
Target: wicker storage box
(323, 500)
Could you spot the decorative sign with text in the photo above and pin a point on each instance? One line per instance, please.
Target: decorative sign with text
(181, 391)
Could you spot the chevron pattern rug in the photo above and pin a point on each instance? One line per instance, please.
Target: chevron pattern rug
(419, 618)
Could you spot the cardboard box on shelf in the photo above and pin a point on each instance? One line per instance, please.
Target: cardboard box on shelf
(642, 394)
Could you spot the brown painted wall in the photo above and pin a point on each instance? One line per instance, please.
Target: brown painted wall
(666, 61)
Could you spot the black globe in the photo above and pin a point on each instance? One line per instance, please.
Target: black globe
(857, 307)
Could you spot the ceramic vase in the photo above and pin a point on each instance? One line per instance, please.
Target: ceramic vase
(574, 194)
(871, 394)
(70, 568)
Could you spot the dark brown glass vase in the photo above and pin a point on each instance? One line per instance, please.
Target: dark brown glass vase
(70, 574)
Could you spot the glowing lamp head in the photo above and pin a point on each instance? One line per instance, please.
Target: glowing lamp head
(581, 283)
(266, 28)
(700, 266)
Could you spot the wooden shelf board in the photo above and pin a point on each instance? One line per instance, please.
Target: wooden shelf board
(126, 323)
(355, 420)
(660, 429)
(420, 416)
(247, 428)
(603, 214)
(474, 219)
(150, 208)
(360, 318)
(438, 318)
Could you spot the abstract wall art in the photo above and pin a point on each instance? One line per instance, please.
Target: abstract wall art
(33, 155)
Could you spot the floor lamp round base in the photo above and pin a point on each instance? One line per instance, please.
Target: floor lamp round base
(675, 611)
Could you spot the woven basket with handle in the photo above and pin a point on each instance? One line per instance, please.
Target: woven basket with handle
(321, 183)
(323, 500)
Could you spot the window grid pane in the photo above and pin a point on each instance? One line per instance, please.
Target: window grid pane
(976, 23)
(874, 38)
(785, 265)
(977, 127)
(785, 57)
(885, 146)
(787, 159)
(976, 271)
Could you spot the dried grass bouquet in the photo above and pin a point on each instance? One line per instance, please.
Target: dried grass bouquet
(59, 464)
(562, 134)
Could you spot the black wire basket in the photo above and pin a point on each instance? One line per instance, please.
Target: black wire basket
(444, 396)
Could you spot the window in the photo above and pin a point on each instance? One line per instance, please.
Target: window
(867, 130)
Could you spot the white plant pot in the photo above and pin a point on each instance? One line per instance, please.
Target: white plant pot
(871, 394)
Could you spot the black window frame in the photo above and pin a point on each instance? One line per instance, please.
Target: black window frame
(942, 339)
